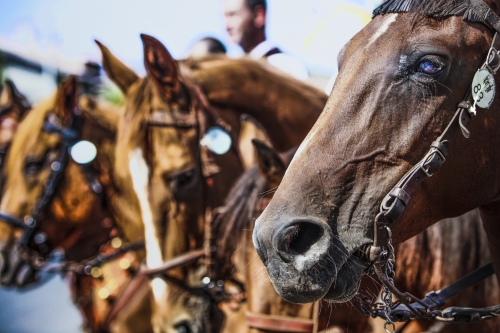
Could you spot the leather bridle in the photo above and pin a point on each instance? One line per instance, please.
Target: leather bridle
(381, 253)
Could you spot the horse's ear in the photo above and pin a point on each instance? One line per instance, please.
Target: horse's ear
(20, 104)
(120, 74)
(14, 100)
(270, 164)
(67, 99)
(161, 66)
(250, 129)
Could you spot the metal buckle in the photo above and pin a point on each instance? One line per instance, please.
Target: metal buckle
(422, 165)
(492, 55)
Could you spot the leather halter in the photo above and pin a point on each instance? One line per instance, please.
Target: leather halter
(392, 207)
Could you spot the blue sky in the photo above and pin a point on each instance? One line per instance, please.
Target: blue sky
(314, 30)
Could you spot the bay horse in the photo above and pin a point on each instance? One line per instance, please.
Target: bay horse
(436, 257)
(176, 182)
(67, 204)
(400, 81)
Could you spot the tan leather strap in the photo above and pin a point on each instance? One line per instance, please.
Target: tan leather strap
(179, 261)
(125, 296)
(280, 323)
(315, 316)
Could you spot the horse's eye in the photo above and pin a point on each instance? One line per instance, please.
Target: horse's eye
(429, 67)
(183, 327)
(33, 167)
(184, 179)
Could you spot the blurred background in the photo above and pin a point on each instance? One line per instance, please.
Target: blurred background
(43, 40)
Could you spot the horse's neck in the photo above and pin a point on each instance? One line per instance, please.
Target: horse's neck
(285, 107)
(441, 254)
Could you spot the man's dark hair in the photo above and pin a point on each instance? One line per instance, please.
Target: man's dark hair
(215, 46)
(254, 3)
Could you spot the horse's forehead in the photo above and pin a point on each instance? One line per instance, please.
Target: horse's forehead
(174, 148)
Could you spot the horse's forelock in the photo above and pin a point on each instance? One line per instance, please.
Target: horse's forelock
(428, 8)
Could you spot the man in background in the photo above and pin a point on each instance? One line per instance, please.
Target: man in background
(246, 24)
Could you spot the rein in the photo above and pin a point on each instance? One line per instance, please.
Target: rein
(381, 253)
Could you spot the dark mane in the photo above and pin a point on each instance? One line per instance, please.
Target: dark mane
(437, 9)
(236, 217)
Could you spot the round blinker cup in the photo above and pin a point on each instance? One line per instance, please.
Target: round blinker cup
(217, 140)
(83, 152)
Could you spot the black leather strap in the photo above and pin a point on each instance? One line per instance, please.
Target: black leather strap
(484, 15)
(437, 299)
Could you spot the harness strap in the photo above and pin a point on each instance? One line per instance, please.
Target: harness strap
(179, 261)
(138, 282)
(287, 324)
(437, 299)
(484, 15)
(279, 323)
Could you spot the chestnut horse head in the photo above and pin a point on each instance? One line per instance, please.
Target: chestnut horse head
(400, 81)
(159, 158)
(48, 196)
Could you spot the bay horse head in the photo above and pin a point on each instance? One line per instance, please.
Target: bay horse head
(48, 194)
(160, 161)
(400, 81)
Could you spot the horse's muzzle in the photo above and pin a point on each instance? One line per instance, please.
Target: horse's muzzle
(297, 256)
(16, 270)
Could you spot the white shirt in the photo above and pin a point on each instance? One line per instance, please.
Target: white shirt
(285, 62)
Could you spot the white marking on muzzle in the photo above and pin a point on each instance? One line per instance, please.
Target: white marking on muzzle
(139, 172)
(389, 19)
(301, 149)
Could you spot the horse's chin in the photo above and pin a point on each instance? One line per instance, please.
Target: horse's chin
(321, 282)
(346, 284)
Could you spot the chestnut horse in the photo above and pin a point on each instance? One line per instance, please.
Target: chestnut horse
(176, 182)
(400, 81)
(70, 202)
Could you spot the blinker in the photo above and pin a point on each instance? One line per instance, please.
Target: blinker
(217, 140)
(83, 152)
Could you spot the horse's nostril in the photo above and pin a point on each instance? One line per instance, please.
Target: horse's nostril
(302, 236)
(25, 276)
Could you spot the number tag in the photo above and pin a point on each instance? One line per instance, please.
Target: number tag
(483, 88)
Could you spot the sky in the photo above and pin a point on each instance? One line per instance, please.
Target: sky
(62, 31)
